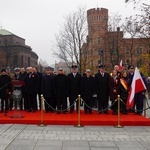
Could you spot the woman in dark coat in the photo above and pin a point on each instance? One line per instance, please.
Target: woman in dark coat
(124, 89)
(114, 90)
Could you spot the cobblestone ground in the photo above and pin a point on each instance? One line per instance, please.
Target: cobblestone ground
(32, 137)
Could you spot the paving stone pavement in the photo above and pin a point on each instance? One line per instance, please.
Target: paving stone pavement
(58, 137)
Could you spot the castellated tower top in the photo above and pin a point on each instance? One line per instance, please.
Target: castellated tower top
(97, 11)
(97, 19)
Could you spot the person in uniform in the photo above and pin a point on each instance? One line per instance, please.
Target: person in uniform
(31, 85)
(102, 89)
(87, 91)
(114, 83)
(5, 90)
(48, 89)
(61, 90)
(74, 87)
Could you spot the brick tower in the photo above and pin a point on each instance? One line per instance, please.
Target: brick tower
(97, 27)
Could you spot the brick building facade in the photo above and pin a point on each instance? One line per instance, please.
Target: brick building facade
(110, 47)
(14, 52)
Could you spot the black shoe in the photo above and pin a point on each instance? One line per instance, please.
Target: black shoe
(105, 112)
(114, 113)
(29, 110)
(71, 111)
(1, 111)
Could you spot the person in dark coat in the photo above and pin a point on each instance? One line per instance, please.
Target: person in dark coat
(39, 90)
(10, 99)
(114, 83)
(124, 90)
(102, 89)
(74, 87)
(87, 91)
(61, 90)
(139, 98)
(48, 89)
(23, 75)
(31, 85)
(5, 88)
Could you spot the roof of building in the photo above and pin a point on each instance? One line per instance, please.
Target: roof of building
(5, 32)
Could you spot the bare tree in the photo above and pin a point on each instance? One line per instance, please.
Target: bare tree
(113, 38)
(71, 37)
(42, 64)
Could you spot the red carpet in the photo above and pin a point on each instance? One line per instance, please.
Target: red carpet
(72, 119)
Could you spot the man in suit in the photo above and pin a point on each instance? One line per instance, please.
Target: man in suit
(61, 90)
(31, 85)
(87, 91)
(39, 90)
(74, 87)
(23, 75)
(102, 89)
(48, 89)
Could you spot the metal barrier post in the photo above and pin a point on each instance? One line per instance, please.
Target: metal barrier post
(79, 100)
(118, 126)
(42, 117)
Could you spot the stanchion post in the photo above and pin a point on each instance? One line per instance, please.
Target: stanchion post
(79, 100)
(42, 115)
(118, 126)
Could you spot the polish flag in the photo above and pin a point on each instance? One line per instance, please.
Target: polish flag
(120, 65)
(137, 85)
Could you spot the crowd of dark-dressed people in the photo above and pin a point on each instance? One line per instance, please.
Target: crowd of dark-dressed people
(58, 88)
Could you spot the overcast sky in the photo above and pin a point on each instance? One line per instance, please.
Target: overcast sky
(37, 21)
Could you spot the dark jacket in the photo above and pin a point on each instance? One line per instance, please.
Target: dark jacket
(123, 90)
(5, 85)
(87, 87)
(48, 85)
(102, 86)
(31, 83)
(114, 85)
(74, 85)
(61, 86)
(39, 77)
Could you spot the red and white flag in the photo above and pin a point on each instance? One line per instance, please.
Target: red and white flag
(120, 65)
(137, 85)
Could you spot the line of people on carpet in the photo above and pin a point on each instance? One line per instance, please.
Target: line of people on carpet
(57, 87)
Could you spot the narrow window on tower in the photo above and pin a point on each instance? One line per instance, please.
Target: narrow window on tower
(98, 40)
(91, 41)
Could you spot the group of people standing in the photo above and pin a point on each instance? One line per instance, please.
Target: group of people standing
(56, 88)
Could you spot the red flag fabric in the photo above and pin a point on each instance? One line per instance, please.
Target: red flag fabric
(137, 85)
(120, 65)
